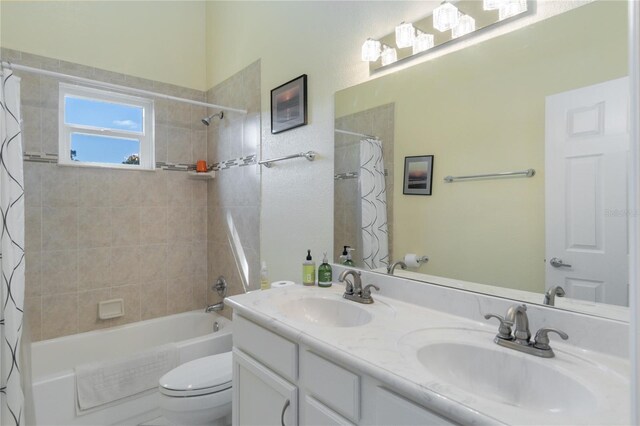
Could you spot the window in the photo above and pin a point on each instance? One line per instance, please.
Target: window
(105, 129)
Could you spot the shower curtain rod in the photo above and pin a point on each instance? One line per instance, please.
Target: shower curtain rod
(92, 82)
(362, 135)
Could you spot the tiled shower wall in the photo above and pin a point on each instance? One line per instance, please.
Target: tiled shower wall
(234, 195)
(378, 121)
(95, 234)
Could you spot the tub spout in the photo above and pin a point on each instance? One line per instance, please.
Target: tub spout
(215, 307)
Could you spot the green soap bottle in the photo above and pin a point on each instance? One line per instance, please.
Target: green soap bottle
(309, 270)
(325, 276)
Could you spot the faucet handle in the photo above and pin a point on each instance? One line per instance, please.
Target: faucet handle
(366, 291)
(504, 330)
(542, 337)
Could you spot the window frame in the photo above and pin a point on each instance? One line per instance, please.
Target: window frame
(146, 138)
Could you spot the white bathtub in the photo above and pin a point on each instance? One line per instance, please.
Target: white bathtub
(53, 362)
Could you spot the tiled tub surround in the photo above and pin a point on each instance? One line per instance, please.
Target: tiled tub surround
(94, 234)
(406, 311)
(234, 195)
(378, 122)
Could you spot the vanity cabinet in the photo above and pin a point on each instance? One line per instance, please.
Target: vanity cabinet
(275, 378)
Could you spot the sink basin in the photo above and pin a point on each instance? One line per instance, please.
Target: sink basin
(466, 363)
(507, 378)
(325, 312)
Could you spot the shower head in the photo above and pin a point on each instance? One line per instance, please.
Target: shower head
(207, 120)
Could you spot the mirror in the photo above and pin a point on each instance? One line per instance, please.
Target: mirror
(551, 97)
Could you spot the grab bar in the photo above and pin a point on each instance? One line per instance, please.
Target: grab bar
(527, 173)
(309, 155)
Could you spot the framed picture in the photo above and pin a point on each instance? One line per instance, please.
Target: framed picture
(289, 105)
(418, 175)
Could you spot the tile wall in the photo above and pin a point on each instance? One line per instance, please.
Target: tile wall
(378, 122)
(96, 234)
(234, 195)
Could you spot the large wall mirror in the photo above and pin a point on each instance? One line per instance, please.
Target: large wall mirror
(553, 97)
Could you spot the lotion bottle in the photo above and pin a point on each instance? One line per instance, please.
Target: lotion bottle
(309, 270)
(325, 276)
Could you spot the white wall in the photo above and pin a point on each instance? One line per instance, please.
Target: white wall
(321, 39)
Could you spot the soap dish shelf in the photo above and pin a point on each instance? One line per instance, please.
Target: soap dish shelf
(202, 175)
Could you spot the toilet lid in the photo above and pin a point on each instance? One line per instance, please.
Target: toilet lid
(198, 377)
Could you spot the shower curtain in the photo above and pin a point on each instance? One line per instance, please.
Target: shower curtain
(373, 197)
(12, 411)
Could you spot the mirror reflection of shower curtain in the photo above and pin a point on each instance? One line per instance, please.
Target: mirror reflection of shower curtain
(373, 205)
(12, 261)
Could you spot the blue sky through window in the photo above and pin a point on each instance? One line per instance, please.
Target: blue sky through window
(103, 149)
(88, 112)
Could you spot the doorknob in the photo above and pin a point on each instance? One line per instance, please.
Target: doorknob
(557, 263)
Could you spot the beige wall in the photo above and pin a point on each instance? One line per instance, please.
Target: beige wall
(157, 40)
(323, 40)
(96, 234)
(481, 110)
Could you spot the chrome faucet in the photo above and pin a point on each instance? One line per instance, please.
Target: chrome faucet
(219, 287)
(520, 340)
(394, 265)
(550, 295)
(353, 290)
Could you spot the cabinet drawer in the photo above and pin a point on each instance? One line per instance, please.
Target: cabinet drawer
(337, 388)
(274, 351)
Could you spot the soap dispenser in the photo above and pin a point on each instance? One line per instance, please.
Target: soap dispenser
(348, 261)
(343, 256)
(325, 276)
(309, 270)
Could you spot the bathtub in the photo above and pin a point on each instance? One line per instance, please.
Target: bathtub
(53, 362)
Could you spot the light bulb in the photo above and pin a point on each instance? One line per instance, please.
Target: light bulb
(405, 33)
(371, 50)
(389, 55)
(466, 25)
(510, 8)
(422, 42)
(445, 17)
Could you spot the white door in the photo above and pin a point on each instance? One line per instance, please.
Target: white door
(586, 151)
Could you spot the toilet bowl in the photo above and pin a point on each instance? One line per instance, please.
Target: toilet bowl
(198, 392)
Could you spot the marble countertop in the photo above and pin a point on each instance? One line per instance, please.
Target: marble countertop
(386, 348)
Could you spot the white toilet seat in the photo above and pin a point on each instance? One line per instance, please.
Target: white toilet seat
(203, 376)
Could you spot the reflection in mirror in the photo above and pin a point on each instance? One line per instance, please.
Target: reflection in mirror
(550, 97)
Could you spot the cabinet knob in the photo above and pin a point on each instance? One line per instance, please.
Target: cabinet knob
(284, 409)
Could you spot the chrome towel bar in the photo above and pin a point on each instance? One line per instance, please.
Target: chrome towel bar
(309, 155)
(527, 173)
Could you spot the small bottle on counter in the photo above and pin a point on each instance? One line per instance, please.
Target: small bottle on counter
(309, 270)
(348, 261)
(325, 275)
(264, 277)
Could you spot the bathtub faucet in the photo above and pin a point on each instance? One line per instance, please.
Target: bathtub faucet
(219, 287)
(215, 307)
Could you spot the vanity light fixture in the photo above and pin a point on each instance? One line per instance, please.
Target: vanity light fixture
(445, 16)
(466, 25)
(371, 50)
(405, 34)
(389, 55)
(510, 8)
(422, 42)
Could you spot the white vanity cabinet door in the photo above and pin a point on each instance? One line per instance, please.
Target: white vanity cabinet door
(317, 414)
(261, 397)
(392, 409)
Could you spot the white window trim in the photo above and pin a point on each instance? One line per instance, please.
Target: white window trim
(147, 140)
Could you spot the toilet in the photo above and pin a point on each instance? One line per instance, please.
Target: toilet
(198, 392)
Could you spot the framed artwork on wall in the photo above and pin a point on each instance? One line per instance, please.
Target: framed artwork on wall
(289, 105)
(418, 175)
